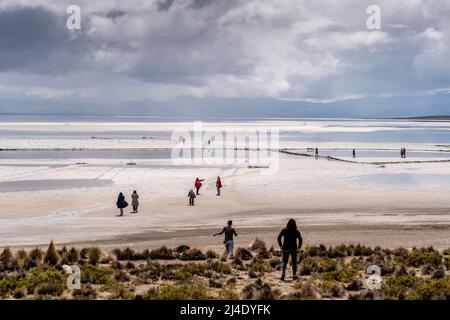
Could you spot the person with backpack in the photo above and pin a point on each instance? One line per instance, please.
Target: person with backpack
(135, 201)
(191, 195)
(218, 185)
(228, 241)
(121, 203)
(198, 184)
(289, 245)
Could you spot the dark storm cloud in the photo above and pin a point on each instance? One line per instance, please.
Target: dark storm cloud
(37, 40)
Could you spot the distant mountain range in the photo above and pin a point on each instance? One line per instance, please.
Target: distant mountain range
(395, 107)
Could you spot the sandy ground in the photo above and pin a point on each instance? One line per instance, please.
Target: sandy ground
(402, 204)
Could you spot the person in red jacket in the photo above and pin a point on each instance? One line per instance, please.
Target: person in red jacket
(218, 185)
(198, 184)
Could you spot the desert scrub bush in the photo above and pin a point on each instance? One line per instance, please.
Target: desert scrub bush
(263, 253)
(6, 255)
(331, 289)
(86, 292)
(227, 293)
(397, 287)
(44, 278)
(120, 292)
(36, 254)
(192, 255)
(243, 254)
(50, 289)
(258, 268)
(94, 255)
(182, 248)
(188, 290)
(21, 255)
(365, 295)
(19, 293)
(51, 257)
(308, 266)
(345, 273)
(121, 276)
(417, 258)
(211, 255)
(431, 289)
(72, 255)
(259, 291)
(162, 253)
(219, 267)
(125, 254)
(303, 291)
(326, 265)
(8, 286)
(316, 251)
(96, 275)
(275, 263)
(337, 252)
(360, 250)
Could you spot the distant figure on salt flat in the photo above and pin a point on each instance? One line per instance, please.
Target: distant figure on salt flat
(354, 153)
(290, 234)
(229, 233)
(135, 201)
(218, 185)
(198, 184)
(317, 153)
(121, 203)
(191, 195)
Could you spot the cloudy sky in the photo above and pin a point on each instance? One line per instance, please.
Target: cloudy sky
(291, 50)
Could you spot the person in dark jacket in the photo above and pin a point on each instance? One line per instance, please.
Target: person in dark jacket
(229, 242)
(121, 203)
(191, 195)
(289, 245)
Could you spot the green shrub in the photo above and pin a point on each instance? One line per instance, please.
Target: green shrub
(19, 293)
(431, 290)
(193, 254)
(304, 291)
(396, 287)
(72, 255)
(94, 255)
(190, 290)
(6, 255)
(162, 253)
(51, 257)
(86, 292)
(96, 275)
(36, 254)
(211, 254)
(50, 289)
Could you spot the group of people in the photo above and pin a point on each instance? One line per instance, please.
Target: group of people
(289, 240)
(198, 184)
(122, 202)
(403, 152)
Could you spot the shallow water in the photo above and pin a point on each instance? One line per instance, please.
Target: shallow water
(51, 184)
(411, 180)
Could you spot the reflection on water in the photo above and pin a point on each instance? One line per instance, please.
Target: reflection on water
(404, 180)
(51, 184)
(382, 154)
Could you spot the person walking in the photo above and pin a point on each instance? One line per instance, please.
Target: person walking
(317, 153)
(229, 233)
(218, 185)
(135, 201)
(198, 184)
(289, 245)
(354, 153)
(191, 195)
(121, 203)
